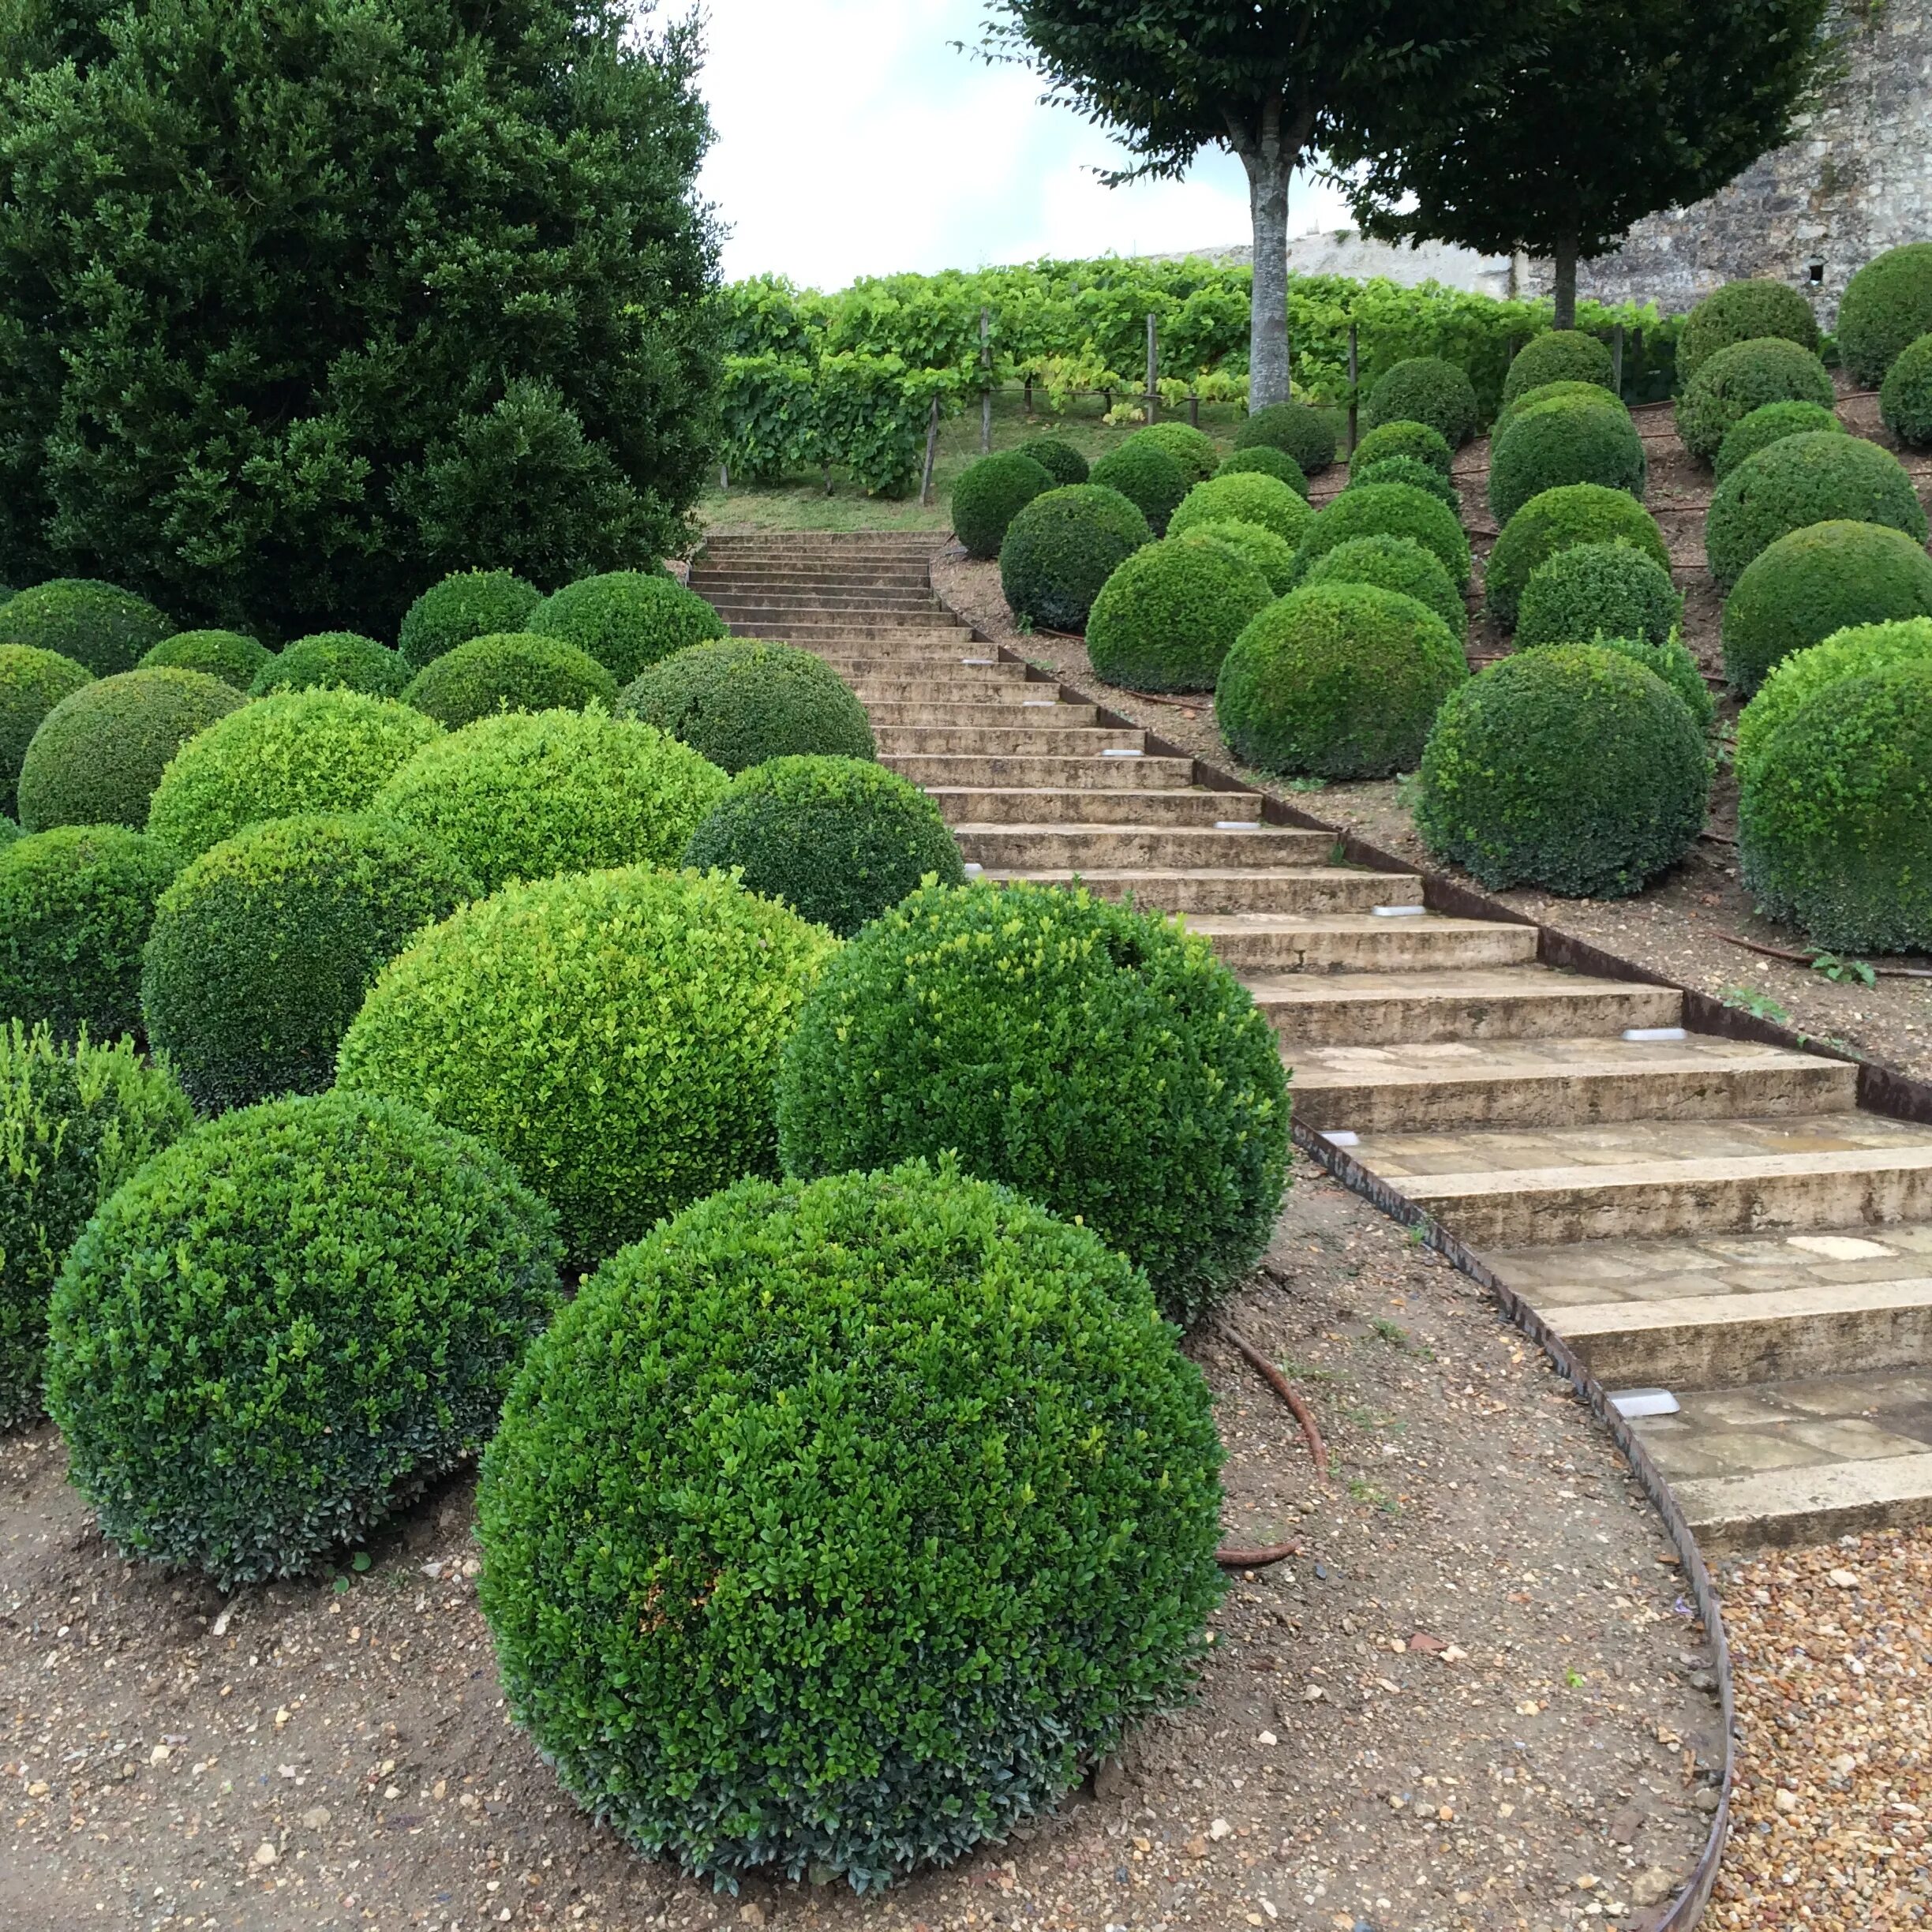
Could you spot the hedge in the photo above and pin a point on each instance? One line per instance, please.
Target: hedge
(1578, 513)
(1561, 355)
(1390, 509)
(1412, 470)
(1244, 497)
(1309, 435)
(1887, 306)
(32, 682)
(1193, 449)
(1770, 422)
(1547, 392)
(1260, 549)
(1744, 312)
(1404, 439)
(1164, 620)
(465, 605)
(1425, 389)
(1062, 547)
(1566, 439)
(334, 661)
(1265, 459)
(225, 654)
(1146, 476)
(1905, 399)
(96, 624)
(1395, 564)
(1670, 660)
(1061, 461)
(1860, 650)
(626, 619)
(989, 495)
(1613, 590)
(1746, 375)
(508, 671)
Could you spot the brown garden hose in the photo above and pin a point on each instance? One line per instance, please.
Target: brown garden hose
(1230, 1558)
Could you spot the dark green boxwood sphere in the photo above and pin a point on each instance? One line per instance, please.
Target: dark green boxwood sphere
(1860, 650)
(1061, 461)
(32, 682)
(262, 947)
(334, 661)
(77, 1121)
(1814, 582)
(1746, 375)
(1835, 820)
(1817, 478)
(1244, 497)
(1308, 434)
(1062, 547)
(1404, 439)
(1267, 460)
(1096, 1058)
(1424, 389)
(1670, 661)
(1193, 449)
(1570, 768)
(1887, 306)
(1567, 440)
(626, 619)
(286, 1325)
(99, 753)
(756, 1614)
(1412, 470)
(465, 605)
(228, 655)
(76, 905)
(1164, 620)
(1768, 424)
(96, 624)
(508, 671)
(1743, 311)
(1547, 392)
(743, 701)
(615, 1034)
(1558, 355)
(1390, 509)
(1578, 513)
(1905, 399)
(838, 840)
(1609, 588)
(1260, 549)
(990, 494)
(1396, 563)
(1146, 476)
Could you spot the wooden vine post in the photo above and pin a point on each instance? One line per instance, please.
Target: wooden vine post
(986, 380)
(1617, 360)
(932, 451)
(1354, 369)
(1153, 368)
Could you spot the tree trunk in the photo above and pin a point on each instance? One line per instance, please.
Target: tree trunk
(1565, 262)
(1268, 170)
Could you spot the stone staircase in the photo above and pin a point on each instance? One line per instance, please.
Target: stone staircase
(1713, 1216)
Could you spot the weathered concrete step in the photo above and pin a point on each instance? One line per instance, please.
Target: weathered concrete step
(1045, 805)
(1522, 1002)
(907, 613)
(893, 579)
(965, 687)
(1015, 741)
(1408, 1085)
(943, 770)
(863, 662)
(917, 636)
(1084, 846)
(1350, 942)
(1276, 889)
(991, 718)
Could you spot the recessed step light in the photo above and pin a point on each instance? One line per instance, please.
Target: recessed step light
(980, 663)
(1340, 1137)
(1031, 704)
(1632, 1403)
(1398, 911)
(1112, 753)
(972, 867)
(1641, 1034)
(1237, 825)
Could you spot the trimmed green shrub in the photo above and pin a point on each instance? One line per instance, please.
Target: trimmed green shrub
(465, 605)
(1259, 549)
(96, 624)
(305, 751)
(1164, 620)
(99, 753)
(76, 1121)
(1670, 661)
(1264, 459)
(1395, 564)
(838, 840)
(1815, 582)
(989, 495)
(1390, 509)
(1835, 821)
(1061, 461)
(1768, 424)
(1578, 513)
(1548, 392)
(262, 947)
(1744, 312)
(1746, 375)
(1566, 439)
(1817, 478)
(1244, 497)
(617, 1035)
(1146, 476)
(1611, 588)
(1062, 547)
(626, 619)
(1859, 650)
(1193, 449)
(32, 682)
(843, 1442)
(1887, 304)
(1404, 439)
(286, 1325)
(9, 831)
(1097, 1058)
(1559, 355)
(225, 654)
(508, 671)
(1309, 435)
(76, 905)
(1905, 399)
(743, 701)
(1412, 470)
(1570, 768)
(1424, 389)
(333, 660)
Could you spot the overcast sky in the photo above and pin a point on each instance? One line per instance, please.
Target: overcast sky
(853, 140)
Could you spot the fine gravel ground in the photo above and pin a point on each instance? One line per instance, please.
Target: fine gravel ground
(1478, 1700)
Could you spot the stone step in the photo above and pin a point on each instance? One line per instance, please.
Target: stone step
(861, 664)
(1086, 846)
(1408, 1086)
(1041, 805)
(947, 769)
(969, 688)
(1349, 942)
(1014, 741)
(1276, 889)
(908, 580)
(904, 614)
(1521, 1002)
(916, 636)
(1050, 715)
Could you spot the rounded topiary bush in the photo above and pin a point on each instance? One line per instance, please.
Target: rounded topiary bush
(1424, 389)
(1736, 380)
(1308, 434)
(1395, 564)
(1611, 590)
(1570, 768)
(287, 1324)
(1404, 439)
(465, 605)
(1578, 513)
(1061, 461)
(1337, 680)
(76, 905)
(1164, 620)
(262, 947)
(990, 493)
(1267, 460)
(107, 630)
(1835, 820)
(1743, 311)
(1062, 547)
(1813, 582)
(1390, 509)
(1887, 304)
(333, 660)
(1670, 661)
(626, 619)
(1260, 549)
(1098, 1059)
(1146, 476)
(1800, 480)
(1244, 497)
(721, 1469)
(1770, 423)
(1410, 470)
(1547, 392)
(1558, 355)
(307, 751)
(838, 840)
(615, 1034)
(1905, 400)
(32, 682)
(76, 1121)
(1861, 651)
(508, 671)
(1566, 439)
(742, 701)
(228, 655)
(1193, 449)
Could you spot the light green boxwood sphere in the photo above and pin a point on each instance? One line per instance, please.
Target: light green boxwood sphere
(1395, 564)
(32, 682)
(1146, 476)
(1260, 549)
(1412, 470)
(1243, 496)
(1061, 547)
(1743, 311)
(465, 605)
(96, 624)
(1746, 375)
(626, 619)
(1403, 439)
(1578, 513)
(1859, 650)
(990, 493)
(1770, 422)
(1566, 439)
(1887, 306)
(1905, 399)
(333, 660)
(1558, 355)
(1390, 509)
(1164, 620)
(1613, 590)
(1193, 449)
(508, 671)
(228, 655)
(1424, 389)
(1264, 459)
(1308, 434)
(1670, 660)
